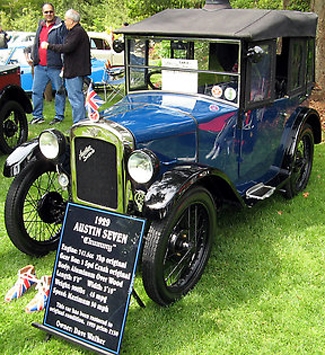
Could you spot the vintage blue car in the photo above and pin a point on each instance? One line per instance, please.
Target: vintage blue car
(215, 113)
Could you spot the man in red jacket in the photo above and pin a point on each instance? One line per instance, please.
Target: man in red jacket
(77, 65)
(47, 66)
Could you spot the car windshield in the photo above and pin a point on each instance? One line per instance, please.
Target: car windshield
(13, 56)
(4, 55)
(207, 67)
(18, 56)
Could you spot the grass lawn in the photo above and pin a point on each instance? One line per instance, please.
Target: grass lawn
(262, 292)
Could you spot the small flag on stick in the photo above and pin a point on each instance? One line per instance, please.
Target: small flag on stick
(93, 102)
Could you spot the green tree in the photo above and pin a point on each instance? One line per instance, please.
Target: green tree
(139, 9)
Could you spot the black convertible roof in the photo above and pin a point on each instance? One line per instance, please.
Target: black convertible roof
(249, 24)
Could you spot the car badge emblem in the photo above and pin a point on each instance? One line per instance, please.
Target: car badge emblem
(94, 132)
(86, 153)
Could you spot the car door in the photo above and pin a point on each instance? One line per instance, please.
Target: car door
(261, 122)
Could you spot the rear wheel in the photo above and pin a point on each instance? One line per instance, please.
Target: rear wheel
(302, 163)
(35, 208)
(177, 248)
(13, 126)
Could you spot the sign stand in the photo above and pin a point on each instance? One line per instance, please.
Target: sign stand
(93, 277)
(138, 299)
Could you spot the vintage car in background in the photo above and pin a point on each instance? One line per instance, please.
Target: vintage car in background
(101, 47)
(21, 39)
(16, 56)
(14, 104)
(215, 113)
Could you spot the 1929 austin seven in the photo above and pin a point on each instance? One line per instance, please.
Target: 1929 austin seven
(215, 112)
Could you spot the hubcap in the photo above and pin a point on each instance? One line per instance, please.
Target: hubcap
(10, 128)
(51, 207)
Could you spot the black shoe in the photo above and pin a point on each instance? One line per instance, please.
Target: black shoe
(37, 120)
(55, 121)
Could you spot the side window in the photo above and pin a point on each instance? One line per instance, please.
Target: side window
(282, 65)
(99, 43)
(92, 44)
(297, 65)
(311, 63)
(106, 45)
(260, 73)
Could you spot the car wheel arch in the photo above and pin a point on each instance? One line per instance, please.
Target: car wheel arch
(164, 194)
(303, 116)
(16, 93)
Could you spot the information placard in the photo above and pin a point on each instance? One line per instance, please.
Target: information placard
(93, 277)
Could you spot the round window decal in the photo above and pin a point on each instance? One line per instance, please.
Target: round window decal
(230, 94)
(214, 108)
(216, 91)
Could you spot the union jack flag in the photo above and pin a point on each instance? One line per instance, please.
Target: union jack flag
(93, 102)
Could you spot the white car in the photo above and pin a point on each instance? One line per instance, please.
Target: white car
(101, 47)
(19, 39)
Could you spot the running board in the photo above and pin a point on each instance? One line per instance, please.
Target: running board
(260, 191)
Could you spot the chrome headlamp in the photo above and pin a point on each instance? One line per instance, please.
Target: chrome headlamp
(52, 143)
(142, 166)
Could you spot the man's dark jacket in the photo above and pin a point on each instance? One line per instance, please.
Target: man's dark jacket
(56, 35)
(76, 50)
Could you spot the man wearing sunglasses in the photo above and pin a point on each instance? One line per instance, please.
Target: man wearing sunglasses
(48, 65)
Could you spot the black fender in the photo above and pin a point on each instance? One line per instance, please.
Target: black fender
(302, 116)
(162, 195)
(16, 93)
(20, 157)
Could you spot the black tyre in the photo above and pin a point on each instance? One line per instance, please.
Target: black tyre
(302, 163)
(13, 126)
(34, 209)
(177, 248)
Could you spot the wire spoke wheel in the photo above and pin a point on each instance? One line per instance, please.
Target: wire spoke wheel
(186, 245)
(302, 163)
(177, 248)
(13, 126)
(35, 208)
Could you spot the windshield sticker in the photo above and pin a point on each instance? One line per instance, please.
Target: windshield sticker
(214, 108)
(230, 94)
(216, 91)
(178, 80)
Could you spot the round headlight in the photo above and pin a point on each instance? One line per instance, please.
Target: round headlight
(52, 143)
(142, 166)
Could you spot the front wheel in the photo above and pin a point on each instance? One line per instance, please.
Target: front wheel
(302, 162)
(177, 248)
(13, 126)
(34, 209)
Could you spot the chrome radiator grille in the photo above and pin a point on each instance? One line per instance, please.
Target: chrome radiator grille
(96, 172)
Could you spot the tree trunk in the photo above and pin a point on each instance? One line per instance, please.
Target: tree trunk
(286, 4)
(317, 6)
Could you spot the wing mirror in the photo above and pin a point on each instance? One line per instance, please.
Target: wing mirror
(118, 46)
(255, 54)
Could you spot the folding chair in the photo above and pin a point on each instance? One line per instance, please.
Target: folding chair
(113, 80)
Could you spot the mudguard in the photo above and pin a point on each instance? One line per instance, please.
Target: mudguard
(163, 194)
(303, 115)
(16, 93)
(20, 157)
